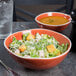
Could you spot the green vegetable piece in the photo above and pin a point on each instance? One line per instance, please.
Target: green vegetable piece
(65, 47)
(45, 36)
(14, 38)
(51, 55)
(34, 53)
(24, 36)
(38, 36)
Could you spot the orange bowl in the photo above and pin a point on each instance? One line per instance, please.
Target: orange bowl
(58, 28)
(38, 63)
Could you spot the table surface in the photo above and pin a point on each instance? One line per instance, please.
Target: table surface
(65, 68)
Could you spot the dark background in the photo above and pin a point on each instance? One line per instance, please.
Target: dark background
(29, 5)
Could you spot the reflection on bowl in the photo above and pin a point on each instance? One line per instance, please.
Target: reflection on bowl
(58, 27)
(38, 63)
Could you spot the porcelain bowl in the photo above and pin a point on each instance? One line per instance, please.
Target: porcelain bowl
(58, 28)
(38, 63)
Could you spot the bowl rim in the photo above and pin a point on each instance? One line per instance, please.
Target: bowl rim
(51, 13)
(36, 57)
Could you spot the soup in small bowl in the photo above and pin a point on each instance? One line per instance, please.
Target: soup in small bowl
(53, 20)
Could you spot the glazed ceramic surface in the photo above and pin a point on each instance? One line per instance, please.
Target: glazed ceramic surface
(58, 28)
(38, 63)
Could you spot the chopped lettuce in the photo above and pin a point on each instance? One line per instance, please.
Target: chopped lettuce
(36, 47)
(24, 36)
(15, 44)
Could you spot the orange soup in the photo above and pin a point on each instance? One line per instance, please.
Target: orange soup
(54, 20)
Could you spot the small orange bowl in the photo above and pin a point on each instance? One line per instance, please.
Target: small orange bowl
(58, 28)
(38, 63)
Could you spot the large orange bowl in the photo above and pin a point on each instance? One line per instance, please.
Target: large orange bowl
(38, 63)
(58, 28)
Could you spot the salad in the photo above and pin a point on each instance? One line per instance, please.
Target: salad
(39, 46)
